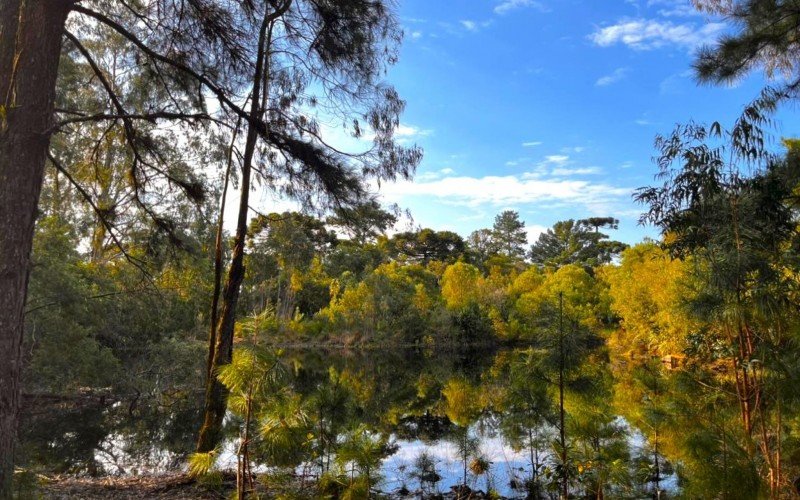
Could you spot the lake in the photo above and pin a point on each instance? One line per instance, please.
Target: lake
(431, 420)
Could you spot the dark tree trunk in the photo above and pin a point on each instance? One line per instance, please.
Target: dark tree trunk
(216, 393)
(30, 45)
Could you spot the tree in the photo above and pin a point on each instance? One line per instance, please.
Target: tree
(576, 242)
(293, 241)
(460, 285)
(648, 291)
(364, 222)
(738, 225)
(428, 245)
(187, 52)
(765, 35)
(482, 245)
(30, 44)
(308, 52)
(508, 234)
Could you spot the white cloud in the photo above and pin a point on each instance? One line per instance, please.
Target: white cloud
(509, 5)
(437, 174)
(416, 35)
(646, 34)
(557, 159)
(469, 25)
(617, 75)
(500, 191)
(576, 171)
(533, 231)
(531, 144)
(404, 130)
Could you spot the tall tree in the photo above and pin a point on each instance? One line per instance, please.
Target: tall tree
(187, 51)
(728, 204)
(327, 56)
(508, 233)
(364, 222)
(481, 245)
(576, 242)
(30, 45)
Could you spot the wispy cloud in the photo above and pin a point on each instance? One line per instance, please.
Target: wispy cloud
(674, 8)
(436, 174)
(405, 133)
(647, 34)
(531, 144)
(617, 75)
(508, 5)
(500, 191)
(469, 25)
(565, 172)
(556, 159)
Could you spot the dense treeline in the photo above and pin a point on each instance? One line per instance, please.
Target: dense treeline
(113, 255)
(349, 280)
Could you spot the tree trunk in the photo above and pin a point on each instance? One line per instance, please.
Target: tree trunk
(216, 393)
(561, 428)
(30, 45)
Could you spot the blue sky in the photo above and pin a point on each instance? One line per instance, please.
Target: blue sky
(548, 107)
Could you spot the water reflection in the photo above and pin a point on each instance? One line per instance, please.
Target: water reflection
(422, 422)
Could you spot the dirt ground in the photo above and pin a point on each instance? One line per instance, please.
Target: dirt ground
(148, 487)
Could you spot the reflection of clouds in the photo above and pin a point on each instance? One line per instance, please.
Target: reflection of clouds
(505, 462)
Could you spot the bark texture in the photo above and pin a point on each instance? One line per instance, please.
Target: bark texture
(216, 393)
(30, 44)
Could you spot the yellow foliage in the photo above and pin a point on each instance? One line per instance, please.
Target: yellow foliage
(460, 285)
(647, 290)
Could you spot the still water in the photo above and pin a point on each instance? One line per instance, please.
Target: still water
(489, 418)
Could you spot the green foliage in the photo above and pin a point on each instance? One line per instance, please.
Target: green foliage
(576, 242)
(508, 234)
(363, 223)
(201, 464)
(427, 245)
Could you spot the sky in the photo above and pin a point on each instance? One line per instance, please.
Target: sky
(546, 107)
(549, 107)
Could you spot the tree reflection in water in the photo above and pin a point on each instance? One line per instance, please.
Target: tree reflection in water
(427, 422)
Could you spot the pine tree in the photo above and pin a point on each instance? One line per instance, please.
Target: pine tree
(509, 234)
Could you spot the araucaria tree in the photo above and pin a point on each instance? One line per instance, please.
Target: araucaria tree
(276, 69)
